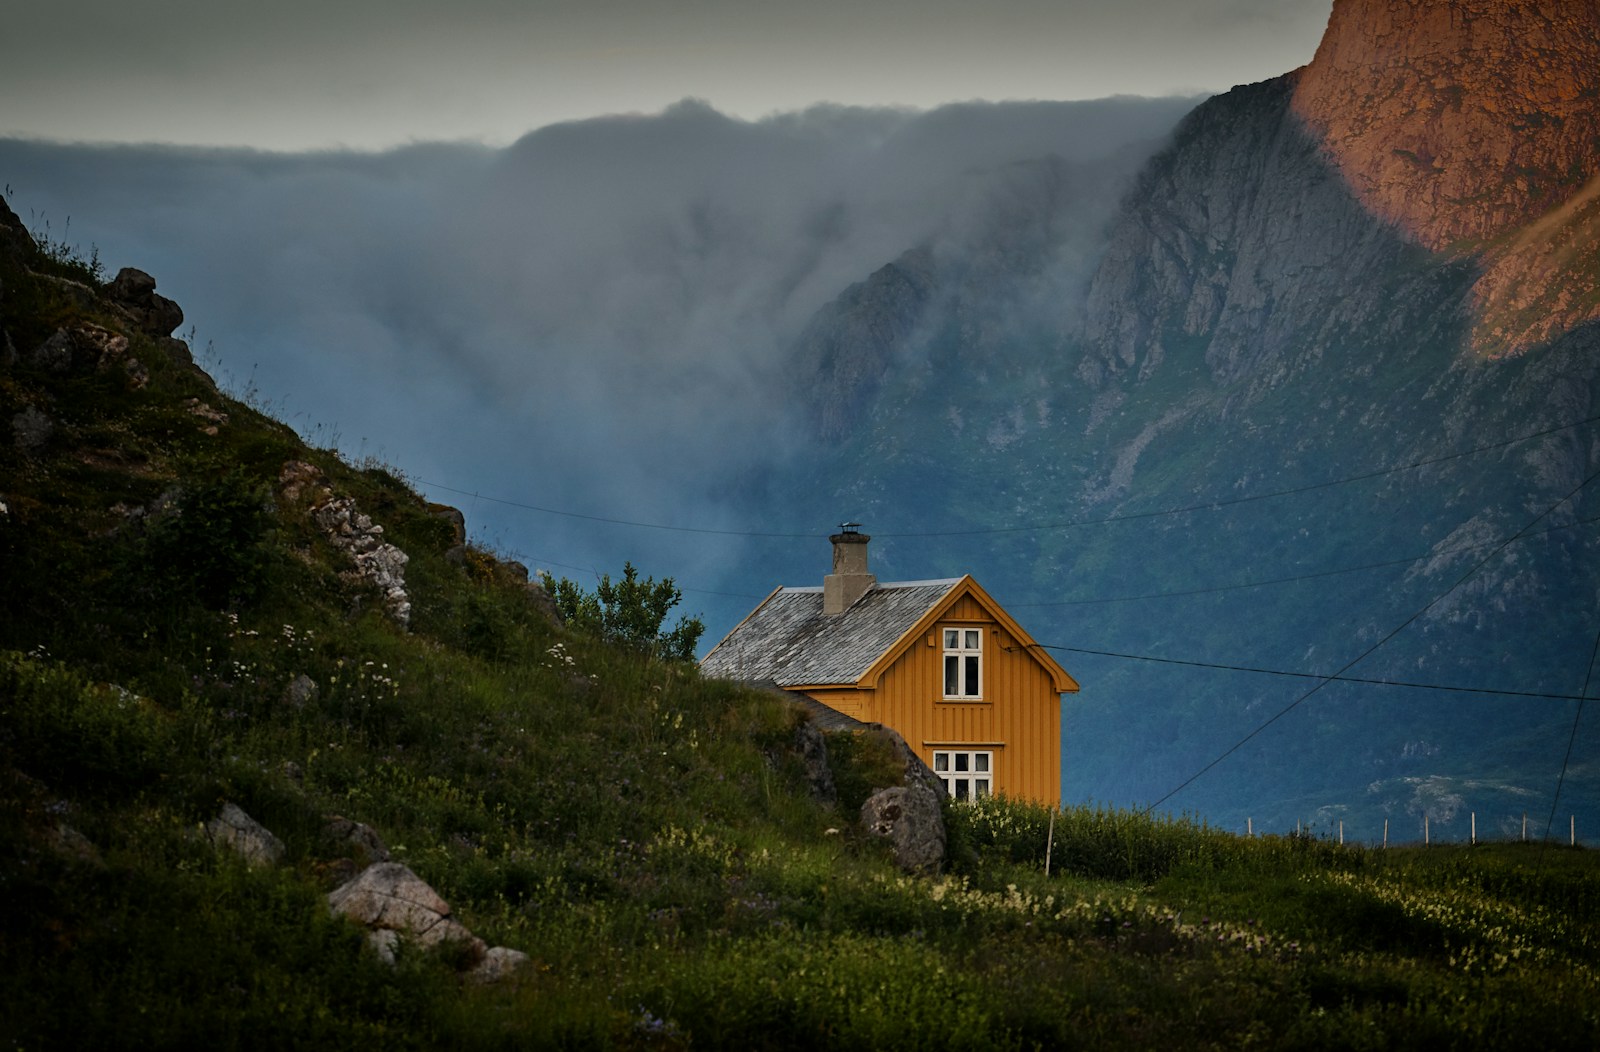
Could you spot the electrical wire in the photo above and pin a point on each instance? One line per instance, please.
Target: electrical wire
(1310, 675)
(1297, 702)
(1571, 738)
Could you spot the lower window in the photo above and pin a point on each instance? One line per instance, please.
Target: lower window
(966, 775)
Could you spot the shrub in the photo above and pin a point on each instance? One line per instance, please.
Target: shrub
(630, 612)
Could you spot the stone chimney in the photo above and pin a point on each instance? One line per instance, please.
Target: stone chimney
(850, 579)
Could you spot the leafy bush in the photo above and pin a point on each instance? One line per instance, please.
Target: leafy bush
(630, 612)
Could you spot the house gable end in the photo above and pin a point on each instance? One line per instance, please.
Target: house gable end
(965, 588)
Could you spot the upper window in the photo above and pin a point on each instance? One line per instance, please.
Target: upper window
(963, 663)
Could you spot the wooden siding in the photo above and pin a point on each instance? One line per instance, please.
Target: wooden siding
(1018, 715)
(851, 702)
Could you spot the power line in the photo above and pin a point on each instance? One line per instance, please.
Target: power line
(1311, 675)
(1571, 738)
(1066, 524)
(1236, 746)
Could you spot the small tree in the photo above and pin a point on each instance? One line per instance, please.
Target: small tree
(628, 611)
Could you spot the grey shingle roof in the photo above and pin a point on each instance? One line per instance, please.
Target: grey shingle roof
(789, 641)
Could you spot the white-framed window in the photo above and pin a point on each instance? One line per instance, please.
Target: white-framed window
(967, 775)
(963, 663)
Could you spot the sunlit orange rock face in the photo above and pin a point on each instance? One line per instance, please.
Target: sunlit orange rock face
(1474, 125)
(1458, 118)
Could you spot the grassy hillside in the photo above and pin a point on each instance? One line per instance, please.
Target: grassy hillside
(181, 629)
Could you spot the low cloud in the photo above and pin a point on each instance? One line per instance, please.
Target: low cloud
(594, 318)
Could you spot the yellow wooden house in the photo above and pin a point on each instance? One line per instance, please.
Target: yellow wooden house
(940, 662)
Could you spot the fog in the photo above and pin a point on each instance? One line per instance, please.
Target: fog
(592, 320)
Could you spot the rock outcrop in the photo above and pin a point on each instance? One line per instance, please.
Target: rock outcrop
(135, 292)
(1474, 125)
(908, 816)
(394, 903)
(249, 839)
(377, 562)
(1457, 118)
(1241, 242)
(387, 896)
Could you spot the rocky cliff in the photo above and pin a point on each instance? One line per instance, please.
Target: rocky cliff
(1461, 135)
(1473, 124)
(1457, 119)
(1243, 244)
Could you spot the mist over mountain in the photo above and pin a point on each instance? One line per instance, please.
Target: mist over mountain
(589, 320)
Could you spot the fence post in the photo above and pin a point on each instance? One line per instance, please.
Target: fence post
(1524, 827)
(1425, 840)
(1341, 832)
(1474, 827)
(1572, 830)
(1385, 832)
(1249, 827)
(1049, 842)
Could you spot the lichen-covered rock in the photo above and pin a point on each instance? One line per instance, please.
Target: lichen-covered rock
(388, 896)
(55, 353)
(498, 963)
(909, 817)
(812, 747)
(71, 844)
(298, 481)
(301, 691)
(456, 521)
(544, 604)
(252, 841)
(377, 562)
(15, 241)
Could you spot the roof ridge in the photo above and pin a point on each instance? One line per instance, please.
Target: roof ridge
(930, 582)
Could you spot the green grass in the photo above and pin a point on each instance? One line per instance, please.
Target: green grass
(645, 835)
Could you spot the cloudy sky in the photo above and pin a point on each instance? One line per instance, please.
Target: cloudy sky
(491, 244)
(368, 74)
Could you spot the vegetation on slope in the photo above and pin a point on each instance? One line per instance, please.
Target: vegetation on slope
(649, 838)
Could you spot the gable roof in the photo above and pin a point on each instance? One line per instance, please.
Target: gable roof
(789, 641)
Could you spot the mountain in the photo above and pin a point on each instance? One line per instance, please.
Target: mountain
(1324, 404)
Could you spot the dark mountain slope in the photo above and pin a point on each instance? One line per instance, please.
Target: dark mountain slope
(1254, 327)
